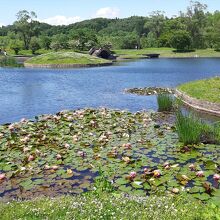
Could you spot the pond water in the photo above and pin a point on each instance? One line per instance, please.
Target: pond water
(30, 92)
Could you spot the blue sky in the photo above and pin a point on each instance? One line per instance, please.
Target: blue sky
(69, 11)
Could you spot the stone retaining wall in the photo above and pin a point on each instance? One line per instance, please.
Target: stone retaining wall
(199, 105)
(60, 66)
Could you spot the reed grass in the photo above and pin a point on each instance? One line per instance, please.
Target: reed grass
(165, 102)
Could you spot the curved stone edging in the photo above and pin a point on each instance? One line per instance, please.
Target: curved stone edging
(60, 66)
(202, 106)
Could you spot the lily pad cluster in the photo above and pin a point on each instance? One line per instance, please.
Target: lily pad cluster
(148, 91)
(138, 153)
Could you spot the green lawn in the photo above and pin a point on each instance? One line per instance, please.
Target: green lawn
(109, 206)
(207, 89)
(165, 52)
(66, 58)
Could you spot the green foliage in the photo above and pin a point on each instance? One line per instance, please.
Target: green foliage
(165, 102)
(204, 90)
(6, 61)
(45, 42)
(26, 26)
(189, 128)
(180, 40)
(155, 30)
(34, 45)
(16, 45)
(66, 58)
(102, 184)
(110, 206)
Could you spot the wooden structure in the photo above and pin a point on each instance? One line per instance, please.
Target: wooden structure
(152, 55)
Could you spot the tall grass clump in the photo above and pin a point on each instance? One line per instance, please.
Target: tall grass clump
(165, 102)
(192, 130)
(189, 128)
(211, 133)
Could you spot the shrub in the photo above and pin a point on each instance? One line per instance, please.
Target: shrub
(165, 102)
(7, 61)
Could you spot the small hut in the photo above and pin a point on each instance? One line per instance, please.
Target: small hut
(102, 53)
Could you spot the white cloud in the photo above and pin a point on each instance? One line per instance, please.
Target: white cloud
(1, 24)
(61, 20)
(107, 12)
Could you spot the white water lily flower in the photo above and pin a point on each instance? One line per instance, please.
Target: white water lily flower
(25, 139)
(26, 149)
(175, 190)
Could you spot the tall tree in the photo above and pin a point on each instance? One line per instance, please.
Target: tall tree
(26, 26)
(156, 23)
(196, 20)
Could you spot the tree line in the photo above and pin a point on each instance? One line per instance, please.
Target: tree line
(196, 28)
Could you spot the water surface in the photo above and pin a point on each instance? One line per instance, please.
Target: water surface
(30, 92)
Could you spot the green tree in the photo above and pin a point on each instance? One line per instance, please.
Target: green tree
(86, 38)
(26, 26)
(16, 45)
(212, 31)
(45, 42)
(55, 45)
(180, 40)
(34, 45)
(196, 20)
(129, 41)
(156, 23)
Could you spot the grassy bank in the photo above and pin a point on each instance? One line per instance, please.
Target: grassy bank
(66, 58)
(207, 89)
(109, 206)
(136, 54)
(165, 52)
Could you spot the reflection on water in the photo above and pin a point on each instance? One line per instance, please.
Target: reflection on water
(30, 92)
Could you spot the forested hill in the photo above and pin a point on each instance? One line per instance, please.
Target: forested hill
(196, 28)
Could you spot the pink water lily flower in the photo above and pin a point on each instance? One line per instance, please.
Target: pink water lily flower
(2, 176)
(23, 120)
(81, 154)
(31, 158)
(216, 177)
(67, 146)
(11, 127)
(132, 175)
(127, 145)
(200, 174)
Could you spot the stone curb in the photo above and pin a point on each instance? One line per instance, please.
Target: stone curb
(60, 66)
(199, 105)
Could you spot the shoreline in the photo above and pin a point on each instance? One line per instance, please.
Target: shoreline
(60, 66)
(199, 105)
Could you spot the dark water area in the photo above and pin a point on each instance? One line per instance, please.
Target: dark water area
(25, 93)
